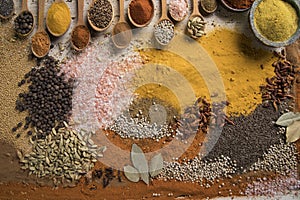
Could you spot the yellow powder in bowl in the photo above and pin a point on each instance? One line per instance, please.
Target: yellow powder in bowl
(276, 20)
(58, 18)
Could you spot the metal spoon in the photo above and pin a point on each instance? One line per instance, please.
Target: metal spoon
(121, 34)
(80, 24)
(50, 31)
(41, 30)
(163, 17)
(25, 9)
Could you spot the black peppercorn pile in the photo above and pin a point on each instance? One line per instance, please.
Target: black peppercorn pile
(100, 14)
(49, 97)
(24, 23)
(249, 138)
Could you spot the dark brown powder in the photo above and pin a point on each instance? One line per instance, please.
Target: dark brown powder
(80, 36)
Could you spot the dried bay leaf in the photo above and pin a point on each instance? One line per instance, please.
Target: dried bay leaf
(288, 118)
(138, 159)
(293, 132)
(145, 177)
(131, 173)
(156, 165)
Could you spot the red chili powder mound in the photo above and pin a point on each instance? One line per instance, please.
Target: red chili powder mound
(239, 4)
(141, 11)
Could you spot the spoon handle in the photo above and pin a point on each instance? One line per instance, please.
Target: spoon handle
(80, 5)
(164, 9)
(24, 5)
(41, 7)
(122, 15)
(195, 8)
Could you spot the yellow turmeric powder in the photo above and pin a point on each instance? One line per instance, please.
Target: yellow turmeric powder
(243, 68)
(58, 18)
(276, 20)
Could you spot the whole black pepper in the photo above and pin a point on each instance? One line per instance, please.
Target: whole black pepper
(100, 13)
(6, 7)
(49, 98)
(24, 23)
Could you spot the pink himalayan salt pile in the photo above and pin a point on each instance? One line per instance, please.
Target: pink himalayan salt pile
(100, 73)
(178, 9)
(113, 95)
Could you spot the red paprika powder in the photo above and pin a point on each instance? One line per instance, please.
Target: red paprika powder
(239, 4)
(141, 11)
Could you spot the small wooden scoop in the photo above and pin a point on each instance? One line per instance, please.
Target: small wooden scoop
(195, 14)
(95, 27)
(25, 8)
(81, 25)
(41, 30)
(50, 31)
(164, 16)
(121, 34)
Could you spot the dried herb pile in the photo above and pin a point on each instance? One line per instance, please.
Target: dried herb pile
(249, 138)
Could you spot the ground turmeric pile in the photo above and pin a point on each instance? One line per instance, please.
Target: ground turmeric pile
(242, 67)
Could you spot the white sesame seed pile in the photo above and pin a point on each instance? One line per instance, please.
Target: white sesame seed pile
(128, 127)
(198, 170)
(281, 185)
(280, 158)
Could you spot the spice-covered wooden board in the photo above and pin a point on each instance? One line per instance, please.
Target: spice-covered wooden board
(203, 117)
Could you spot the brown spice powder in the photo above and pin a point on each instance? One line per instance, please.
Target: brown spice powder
(80, 36)
(40, 43)
(141, 11)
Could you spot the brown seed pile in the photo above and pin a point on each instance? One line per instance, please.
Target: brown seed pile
(200, 116)
(278, 87)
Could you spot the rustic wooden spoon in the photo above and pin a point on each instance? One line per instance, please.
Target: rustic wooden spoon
(55, 34)
(94, 26)
(80, 24)
(121, 34)
(25, 8)
(41, 29)
(194, 14)
(164, 16)
(10, 14)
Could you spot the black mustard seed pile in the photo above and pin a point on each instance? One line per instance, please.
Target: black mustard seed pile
(249, 138)
(49, 97)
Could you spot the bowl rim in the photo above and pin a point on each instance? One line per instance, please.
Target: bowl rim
(292, 39)
(235, 9)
